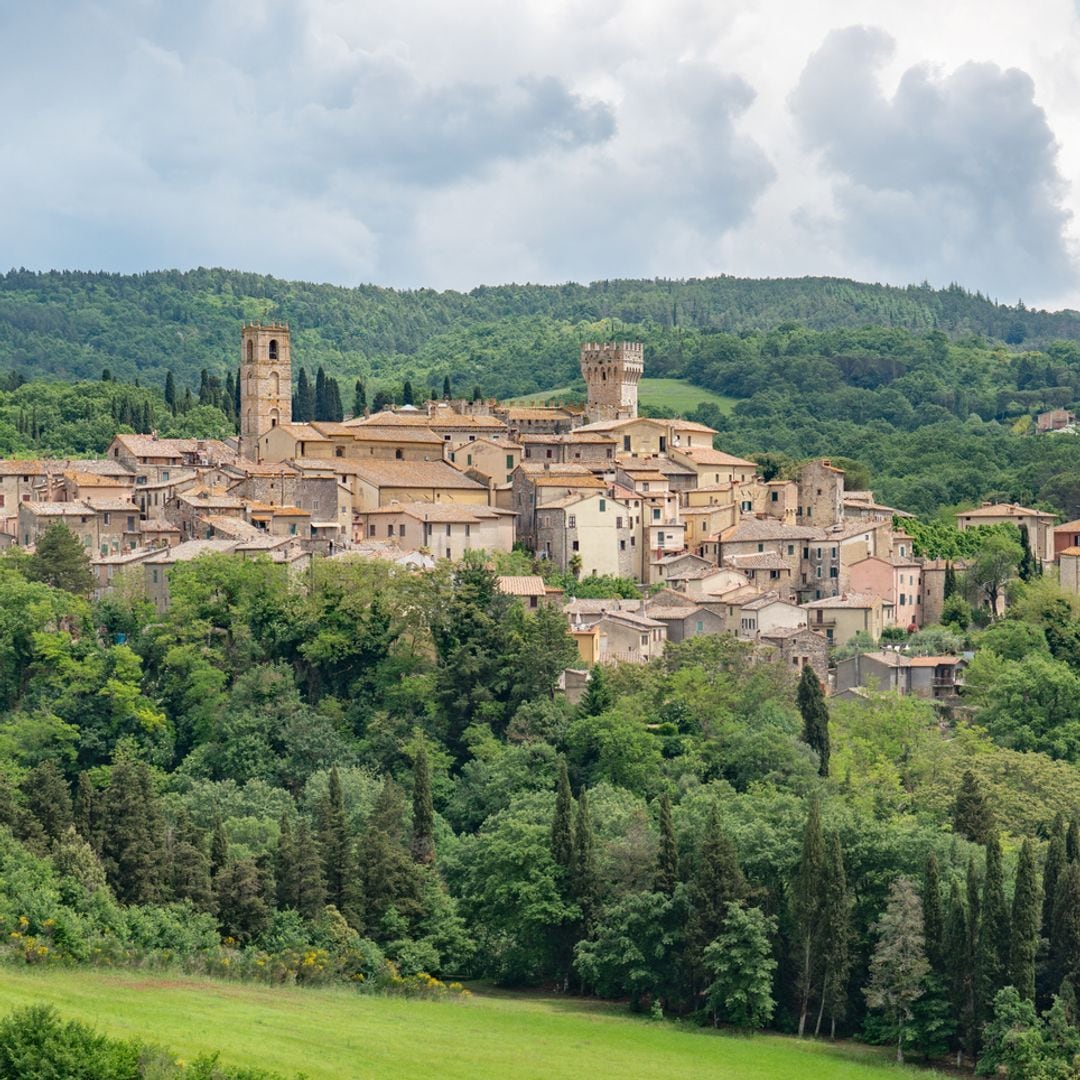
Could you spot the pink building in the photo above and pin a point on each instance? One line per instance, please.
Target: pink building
(898, 580)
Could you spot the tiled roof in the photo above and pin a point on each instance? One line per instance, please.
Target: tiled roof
(753, 528)
(554, 468)
(706, 456)
(119, 505)
(846, 600)
(54, 509)
(1002, 510)
(1069, 526)
(765, 560)
(395, 473)
(582, 482)
(149, 446)
(525, 585)
(533, 413)
(399, 434)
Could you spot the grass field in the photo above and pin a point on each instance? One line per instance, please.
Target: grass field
(675, 394)
(342, 1035)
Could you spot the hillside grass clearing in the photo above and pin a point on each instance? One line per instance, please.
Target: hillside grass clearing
(676, 394)
(332, 1034)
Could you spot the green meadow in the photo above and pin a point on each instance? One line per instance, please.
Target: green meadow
(675, 394)
(331, 1034)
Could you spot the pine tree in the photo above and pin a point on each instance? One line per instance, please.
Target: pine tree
(972, 816)
(933, 915)
(899, 965)
(243, 912)
(667, 859)
(1072, 841)
(584, 878)
(170, 391)
(83, 811)
(310, 886)
(1056, 861)
(815, 716)
(61, 561)
(392, 882)
(285, 866)
(598, 696)
(837, 938)
(359, 399)
(133, 833)
(562, 826)
(423, 823)
(446, 388)
(407, 393)
(717, 879)
(992, 948)
(335, 843)
(808, 905)
(1024, 931)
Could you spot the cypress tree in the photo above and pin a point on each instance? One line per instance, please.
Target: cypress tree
(133, 834)
(310, 886)
(48, 799)
(476, 395)
(391, 879)
(302, 400)
(836, 947)
(446, 388)
(243, 913)
(359, 399)
(933, 915)
(992, 948)
(170, 391)
(1024, 933)
(285, 866)
(584, 880)
(717, 879)
(336, 845)
(815, 716)
(808, 904)
(1027, 568)
(335, 411)
(204, 387)
(598, 696)
(562, 826)
(950, 581)
(236, 393)
(187, 401)
(190, 867)
(1065, 931)
(407, 393)
(83, 816)
(957, 968)
(219, 848)
(667, 860)
(423, 823)
(1056, 861)
(321, 408)
(1072, 841)
(972, 816)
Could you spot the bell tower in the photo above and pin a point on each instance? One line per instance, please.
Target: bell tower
(265, 382)
(611, 371)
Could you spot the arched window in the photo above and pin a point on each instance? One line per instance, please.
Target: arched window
(275, 384)
(250, 351)
(273, 349)
(273, 417)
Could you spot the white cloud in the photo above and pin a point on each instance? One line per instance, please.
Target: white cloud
(434, 144)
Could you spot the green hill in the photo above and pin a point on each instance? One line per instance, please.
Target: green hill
(513, 339)
(334, 1035)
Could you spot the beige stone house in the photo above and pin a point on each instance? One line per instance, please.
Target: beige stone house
(578, 446)
(1039, 525)
(840, 618)
(493, 458)
(588, 529)
(446, 530)
(821, 494)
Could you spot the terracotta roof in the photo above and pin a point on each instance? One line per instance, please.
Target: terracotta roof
(399, 434)
(1069, 526)
(448, 419)
(89, 479)
(515, 412)
(1072, 551)
(119, 505)
(934, 661)
(704, 455)
(299, 431)
(527, 585)
(236, 528)
(149, 446)
(554, 468)
(395, 473)
(1002, 510)
(581, 482)
(158, 525)
(765, 560)
(765, 529)
(54, 509)
(845, 600)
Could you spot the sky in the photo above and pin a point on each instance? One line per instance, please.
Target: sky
(447, 145)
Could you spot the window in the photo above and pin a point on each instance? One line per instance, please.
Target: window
(761, 547)
(834, 553)
(644, 639)
(791, 549)
(292, 529)
(571, 521)
(633, 541)
(547, 453)
(603, 505)
(401, 530)
(809, 511)
(618, 520)
(819, 553)
(903, 599)
(575, 546)
(164, 474)
(468, 529)
(389, 530)
(339, 451)
(509, 461)
(108, 518)
(699, 626)
(622, 545)
(833, 572)
(645, 485)
(449, 529)
(820, 492)
(656, 513)
(774, 496)
(806, 553)
(273, 349)
(448, 555)
(399, 454)
(819, 571)
(154, 575)
(774, 574)
(626, 443)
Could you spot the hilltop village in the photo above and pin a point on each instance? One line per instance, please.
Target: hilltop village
(795, 565)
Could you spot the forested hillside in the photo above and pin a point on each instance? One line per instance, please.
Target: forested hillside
(512, 339)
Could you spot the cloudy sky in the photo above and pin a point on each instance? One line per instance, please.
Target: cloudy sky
(423, 143)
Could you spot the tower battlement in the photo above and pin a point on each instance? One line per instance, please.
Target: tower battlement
(611, 370)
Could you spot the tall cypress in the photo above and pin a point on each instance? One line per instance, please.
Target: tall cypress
(320, 412)
(815, 717)
(598, 696)
(47, 799)
(933, 915)
(837, 933)
(1065, 929)
(83, 811)
(972, 816)
(190, 867)
(335, 410)
(717, 879)
(446, 388)
(1024, 932)
(667, 859)
(992, 948)
(562, 826)
(950, 581)
(957, 968)
(133, 833)
(1072, 841)
(303, 402)
(423, 822)
(219, 848)
(808, 905)
(236, 393)
(204, 387)
(407, 393)
(1056, 861)
(584, 878)
(335, 843)
(170, 391)
(359, 398)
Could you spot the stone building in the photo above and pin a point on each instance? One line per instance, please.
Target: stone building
(821, 495)
(265, 382)
(611, 371)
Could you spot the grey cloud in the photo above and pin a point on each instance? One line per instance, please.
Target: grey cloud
(952, 178)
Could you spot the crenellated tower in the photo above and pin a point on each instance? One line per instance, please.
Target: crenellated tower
(611, 371)
(265, 382)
